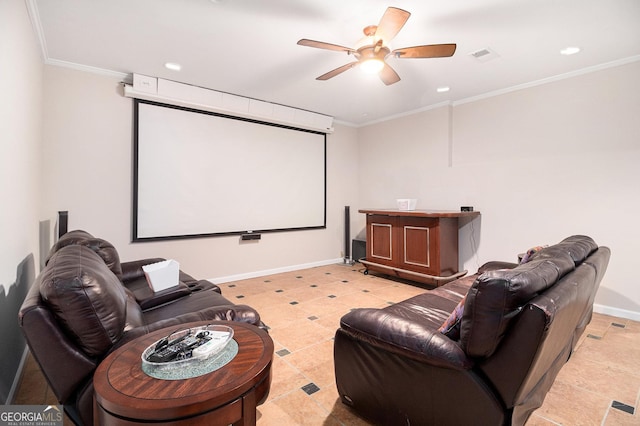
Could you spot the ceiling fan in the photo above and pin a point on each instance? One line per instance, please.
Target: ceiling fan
(373, 49)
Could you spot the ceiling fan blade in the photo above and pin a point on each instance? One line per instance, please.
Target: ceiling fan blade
(337, 71)
(427, 51)
(323, 45)
(391, 22)
(388, 75)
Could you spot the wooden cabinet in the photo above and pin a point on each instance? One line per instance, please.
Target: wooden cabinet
(416, 245)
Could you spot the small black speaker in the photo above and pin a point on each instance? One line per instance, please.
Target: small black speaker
(250, 236)
(358, 250)
(63, 223)
(347, 233)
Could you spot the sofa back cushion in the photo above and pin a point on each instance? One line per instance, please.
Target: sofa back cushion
(496, 297)
(70, 238)
(86, 298)
(579, 247)
(103, 248)
(107, 253)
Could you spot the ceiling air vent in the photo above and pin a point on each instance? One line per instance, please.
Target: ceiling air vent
(484, 55)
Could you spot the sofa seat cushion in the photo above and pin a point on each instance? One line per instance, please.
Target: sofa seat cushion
(86, 298)
(496, 297)
(433, 307)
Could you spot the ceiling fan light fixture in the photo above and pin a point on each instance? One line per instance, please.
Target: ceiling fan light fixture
(372, 66)
(373, 49)
(366, 41)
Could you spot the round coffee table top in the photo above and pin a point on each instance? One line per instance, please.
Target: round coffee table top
(122, 388)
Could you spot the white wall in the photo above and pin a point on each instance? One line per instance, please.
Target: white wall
(88, 168)
(20, 133)
(20, 142)
(540, 164)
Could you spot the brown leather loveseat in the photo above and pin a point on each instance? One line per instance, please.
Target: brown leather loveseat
(491, 361)
(85, 303)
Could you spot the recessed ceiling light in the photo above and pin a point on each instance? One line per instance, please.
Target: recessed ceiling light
(442, 89)
(173, 66)
(571, 50)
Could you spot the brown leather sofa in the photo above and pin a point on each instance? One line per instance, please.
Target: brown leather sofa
(85, 303)
(498, 358)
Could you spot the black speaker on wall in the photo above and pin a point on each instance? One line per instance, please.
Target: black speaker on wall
(347, 237)
(63, 223)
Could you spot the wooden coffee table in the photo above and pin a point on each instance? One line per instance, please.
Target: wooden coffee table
(124, 394)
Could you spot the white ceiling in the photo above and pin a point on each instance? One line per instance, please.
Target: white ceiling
(248, 47)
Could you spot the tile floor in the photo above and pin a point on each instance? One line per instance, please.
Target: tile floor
(600, 385)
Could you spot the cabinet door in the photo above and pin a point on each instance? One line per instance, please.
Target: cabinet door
(380, 239)
(418, 245)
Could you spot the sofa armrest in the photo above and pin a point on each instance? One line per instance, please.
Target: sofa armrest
(147, 299)
(132, 270)
(239, 313)
(396, 334)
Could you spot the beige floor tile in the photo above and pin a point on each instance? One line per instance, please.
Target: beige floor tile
(323, 306)
(536, 420)
(331, 321)
(363, 299)
(328, 398)
(601, 378)
(264, 301)
(316, 363)
(599, 324)
(295, 337)
(631, 325)
(398, 292)
(303, 409)
(321, 276)
(285, 282)
(620, 418)
(303, 294)
(270, 414)
(281, 315)
(337, 288)
(617, 352)
(570, 405)
(284, 378)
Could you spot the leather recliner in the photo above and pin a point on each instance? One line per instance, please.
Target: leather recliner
(519, 325)
(85, 304)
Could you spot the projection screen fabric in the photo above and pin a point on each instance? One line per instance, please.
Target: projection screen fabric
(198, 173)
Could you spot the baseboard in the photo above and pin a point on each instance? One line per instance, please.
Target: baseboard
(256, 274)
(616, 312)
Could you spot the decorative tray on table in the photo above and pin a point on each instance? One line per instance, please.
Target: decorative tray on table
(190, 352)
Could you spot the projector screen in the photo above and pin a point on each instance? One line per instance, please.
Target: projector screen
(199, 173)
